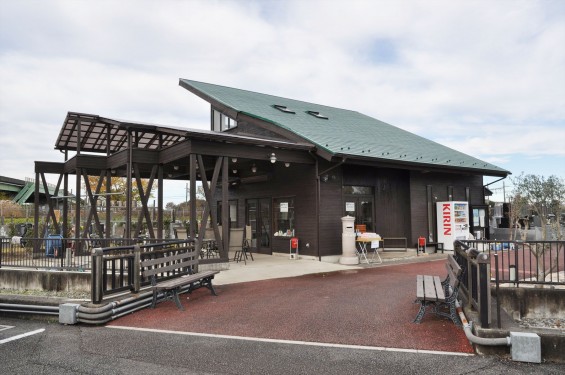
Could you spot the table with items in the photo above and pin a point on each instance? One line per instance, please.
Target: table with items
(368, 239)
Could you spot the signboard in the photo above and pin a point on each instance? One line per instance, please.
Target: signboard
(284, 206)
(350, 206)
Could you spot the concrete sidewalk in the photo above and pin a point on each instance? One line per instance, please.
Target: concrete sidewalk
(265, 267)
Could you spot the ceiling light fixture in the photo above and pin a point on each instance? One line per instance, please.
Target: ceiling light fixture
(273, 158)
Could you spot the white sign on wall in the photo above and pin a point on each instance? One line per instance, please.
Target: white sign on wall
(284, 206)
(350, 206)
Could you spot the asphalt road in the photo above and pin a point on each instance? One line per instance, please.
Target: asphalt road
(52, 348)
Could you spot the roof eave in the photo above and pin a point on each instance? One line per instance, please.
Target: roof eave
(422, 166)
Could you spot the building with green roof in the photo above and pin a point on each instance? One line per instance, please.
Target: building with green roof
(278, 167)
(387, 178)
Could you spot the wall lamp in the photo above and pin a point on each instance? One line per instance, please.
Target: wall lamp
(273, 158)
(254, 169)
(287, 164)
(176, 167)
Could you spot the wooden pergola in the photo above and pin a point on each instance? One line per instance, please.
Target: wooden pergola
(107, 148)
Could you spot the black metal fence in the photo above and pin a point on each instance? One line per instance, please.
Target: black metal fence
(118, 269)
(530, 262)
(55, 252)
(475, 283)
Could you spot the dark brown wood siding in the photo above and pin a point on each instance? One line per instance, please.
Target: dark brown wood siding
(400, 202)
(391, 197)
(298, 181)
(392, 203)
(440, 183)
(331, 212)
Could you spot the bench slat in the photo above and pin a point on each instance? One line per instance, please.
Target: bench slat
(429, 288)
(184, 280)
(168, 259)
(168, 268)
(420, 287)
(439, 289)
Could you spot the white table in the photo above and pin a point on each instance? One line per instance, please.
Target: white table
(362, 248)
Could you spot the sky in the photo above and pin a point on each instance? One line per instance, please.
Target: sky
(486, 78)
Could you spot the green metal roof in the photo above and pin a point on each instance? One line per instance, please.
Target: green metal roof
(344, 133)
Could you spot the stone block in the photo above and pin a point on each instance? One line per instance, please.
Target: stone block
(526, 347)
(68, 313)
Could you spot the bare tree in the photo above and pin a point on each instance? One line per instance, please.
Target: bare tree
(546, 198)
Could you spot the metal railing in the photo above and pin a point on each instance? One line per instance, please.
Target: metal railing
(55, 252)
(475, 282)
(529, 262)
(118, 269)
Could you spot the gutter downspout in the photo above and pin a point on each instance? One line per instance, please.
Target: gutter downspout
(500, 179)
(490, 183)
(317, 203)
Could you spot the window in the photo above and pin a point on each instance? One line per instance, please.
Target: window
(232, 213)
(221, 122)
(356, 190)
(359, 203)
(317, 114)
(283, 108)
(283, 211)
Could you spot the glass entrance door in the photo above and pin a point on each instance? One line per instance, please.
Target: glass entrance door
(259, 218)
(361, 208)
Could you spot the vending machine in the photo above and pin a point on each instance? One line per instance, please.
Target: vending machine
(452, 222)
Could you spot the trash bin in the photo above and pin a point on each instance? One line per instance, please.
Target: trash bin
(294, 248)
(422, 244)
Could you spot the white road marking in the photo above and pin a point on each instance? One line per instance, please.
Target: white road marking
(17, 337)
(292, 342)
(3, 328)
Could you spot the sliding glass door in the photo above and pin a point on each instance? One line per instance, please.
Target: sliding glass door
(258, 216)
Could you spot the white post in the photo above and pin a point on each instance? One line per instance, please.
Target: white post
(349, 255)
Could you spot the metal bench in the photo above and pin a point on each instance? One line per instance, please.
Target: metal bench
(441, 295)
(178, 269)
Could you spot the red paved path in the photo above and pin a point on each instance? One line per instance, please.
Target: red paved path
(369, 307)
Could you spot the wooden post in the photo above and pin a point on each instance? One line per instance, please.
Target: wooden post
(483, 277)
(136, 269)
(97, 282)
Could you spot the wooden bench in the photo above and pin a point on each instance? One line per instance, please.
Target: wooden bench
(437, 246)
(431, 291)
(178, 271)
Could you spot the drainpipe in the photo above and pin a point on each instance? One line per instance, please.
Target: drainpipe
(317, 203)
(479, 340)
(490, 183)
